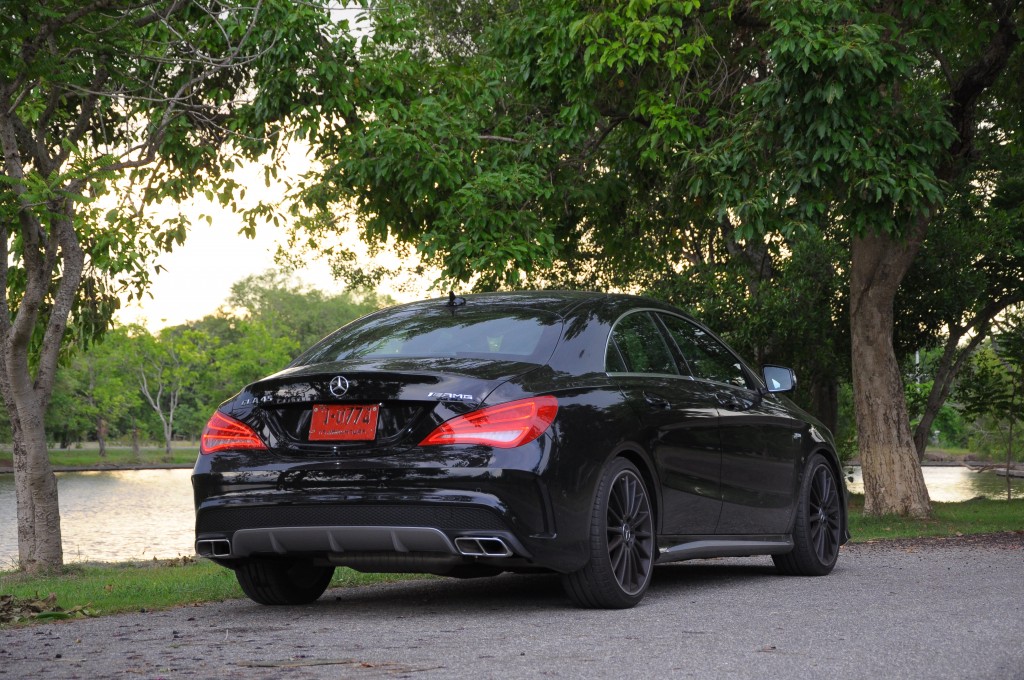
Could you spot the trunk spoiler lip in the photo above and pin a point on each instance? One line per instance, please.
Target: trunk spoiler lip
(412, 370)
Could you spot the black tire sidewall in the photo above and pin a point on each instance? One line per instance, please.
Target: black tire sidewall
(804, 560)
(596, 585)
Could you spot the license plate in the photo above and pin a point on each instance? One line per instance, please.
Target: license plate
(343, 422)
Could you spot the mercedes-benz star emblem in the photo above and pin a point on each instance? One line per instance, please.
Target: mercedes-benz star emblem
(339, 385)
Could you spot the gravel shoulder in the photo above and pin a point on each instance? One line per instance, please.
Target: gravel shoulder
(922, 608)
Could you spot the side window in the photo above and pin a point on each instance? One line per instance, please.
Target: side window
(708, 358)
(638, 346)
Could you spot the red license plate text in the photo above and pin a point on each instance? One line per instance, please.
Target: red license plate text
(344, 422)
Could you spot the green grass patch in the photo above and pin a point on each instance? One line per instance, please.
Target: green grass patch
(976, 516)
(117, 457)
(93, 589)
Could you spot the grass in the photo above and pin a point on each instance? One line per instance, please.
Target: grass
(94, 589)
(182, 454)
(976, 516)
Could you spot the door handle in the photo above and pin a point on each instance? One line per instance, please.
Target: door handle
(730, 402)
(657, 402)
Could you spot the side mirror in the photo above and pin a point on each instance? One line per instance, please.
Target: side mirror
(778, 378)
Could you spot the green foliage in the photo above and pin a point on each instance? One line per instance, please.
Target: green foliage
(845, 432)
(302, 314)
(188, 370)
(992, 392)
(949, 428)
(845, 125)
(170, 97)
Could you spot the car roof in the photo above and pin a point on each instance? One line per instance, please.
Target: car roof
(561, 302)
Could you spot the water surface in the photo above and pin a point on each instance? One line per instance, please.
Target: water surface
(112, 516)
(954, 483)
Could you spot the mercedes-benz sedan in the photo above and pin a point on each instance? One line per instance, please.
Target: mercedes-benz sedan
(586, 434)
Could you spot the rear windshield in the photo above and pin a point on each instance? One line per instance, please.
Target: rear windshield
(515, 334)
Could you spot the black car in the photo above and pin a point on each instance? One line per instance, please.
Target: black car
(586, 434)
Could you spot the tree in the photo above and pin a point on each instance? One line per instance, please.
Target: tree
(995, 387)
(68, 420)
(303, 314)
(150, 100)
(554, 141)
(101, 389)
(901, 132)
(969, 272)
(165, 368)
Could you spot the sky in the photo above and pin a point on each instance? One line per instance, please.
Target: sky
(197, 276)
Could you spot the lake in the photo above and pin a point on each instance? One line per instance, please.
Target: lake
(112, 516)
(142, 514)
(954, 483)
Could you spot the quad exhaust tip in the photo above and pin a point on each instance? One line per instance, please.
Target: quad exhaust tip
(482, 546)
(216, 547)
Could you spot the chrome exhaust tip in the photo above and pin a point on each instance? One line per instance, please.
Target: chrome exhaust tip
(482, 546)
(214, 547)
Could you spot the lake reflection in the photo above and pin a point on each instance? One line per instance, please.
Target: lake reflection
(952, 484)
(112, 516)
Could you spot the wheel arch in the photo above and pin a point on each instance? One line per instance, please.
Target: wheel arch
(648, 473)
(837, 469)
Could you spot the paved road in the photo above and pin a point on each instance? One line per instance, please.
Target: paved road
(926, 609)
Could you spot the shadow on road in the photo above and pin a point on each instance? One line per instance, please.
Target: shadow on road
(533, 592)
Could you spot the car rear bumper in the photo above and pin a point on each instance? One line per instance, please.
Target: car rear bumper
(507, 523)
(343, 541)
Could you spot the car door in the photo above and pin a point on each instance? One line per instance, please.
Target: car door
(760, 441)
(679, 423)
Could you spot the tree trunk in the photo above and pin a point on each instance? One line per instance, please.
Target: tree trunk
(101, 435)
(1009, 443)
(39, 537)
(825, 401)
(135, 439)
(893, 482)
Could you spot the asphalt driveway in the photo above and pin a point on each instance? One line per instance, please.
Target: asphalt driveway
(923, 609)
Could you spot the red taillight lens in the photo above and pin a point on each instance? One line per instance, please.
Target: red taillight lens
(504, 426)
(224, 432)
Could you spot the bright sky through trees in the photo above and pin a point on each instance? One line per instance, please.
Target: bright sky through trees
(196, 277)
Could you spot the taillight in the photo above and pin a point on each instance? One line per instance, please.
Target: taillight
(505, 426)
(224, 432)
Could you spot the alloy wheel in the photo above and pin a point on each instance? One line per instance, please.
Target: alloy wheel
(630, 528)
(824, 514)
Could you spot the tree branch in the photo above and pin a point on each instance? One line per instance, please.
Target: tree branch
(981, 75)
(73, 263)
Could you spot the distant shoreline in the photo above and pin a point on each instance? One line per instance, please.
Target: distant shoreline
(6, 469)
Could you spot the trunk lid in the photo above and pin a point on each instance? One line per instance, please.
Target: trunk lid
(409, 398)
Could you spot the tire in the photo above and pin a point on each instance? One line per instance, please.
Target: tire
(818, 525)
(621, 543)
(277, 582)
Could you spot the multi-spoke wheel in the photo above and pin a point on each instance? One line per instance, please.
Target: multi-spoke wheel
(283, 581)
(621, 543)
(818, 527)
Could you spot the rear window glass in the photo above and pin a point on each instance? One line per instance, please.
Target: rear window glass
(486, 333)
